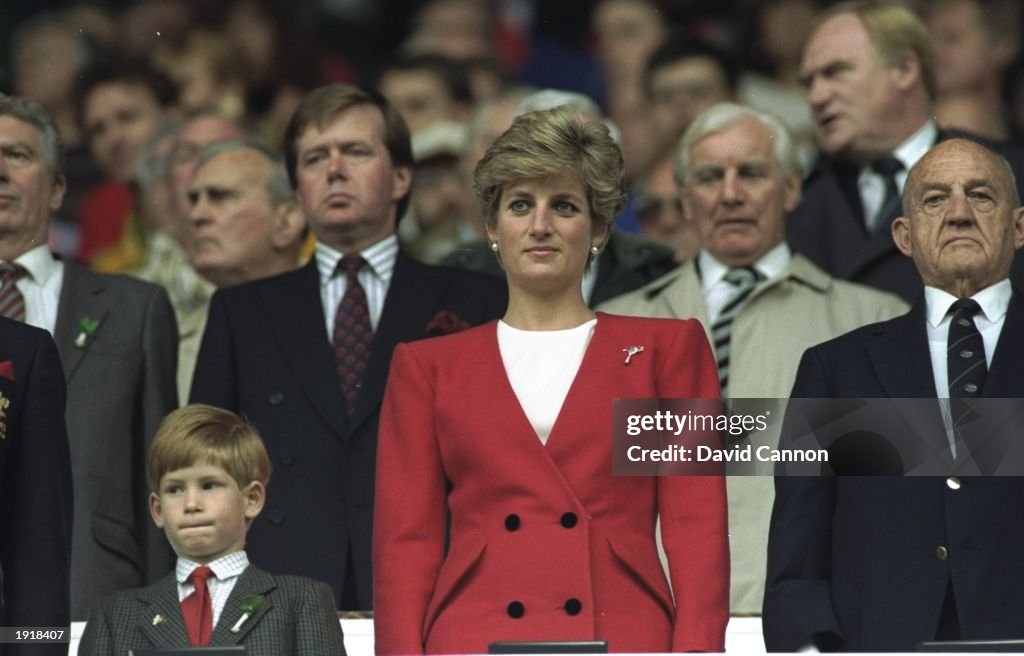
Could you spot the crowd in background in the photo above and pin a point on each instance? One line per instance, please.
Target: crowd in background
(451, 66)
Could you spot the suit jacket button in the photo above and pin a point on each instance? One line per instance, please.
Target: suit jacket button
(573, 606)
(953, 483)
(277, 518)
(942, 553)
(516, 610)
(569, 520)
(276, 398)
(512, 522)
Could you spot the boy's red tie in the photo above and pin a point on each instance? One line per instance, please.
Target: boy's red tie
(197, 609)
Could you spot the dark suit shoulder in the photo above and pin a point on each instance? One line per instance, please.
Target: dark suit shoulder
(858, 337)
(117, 283)
(447, 273)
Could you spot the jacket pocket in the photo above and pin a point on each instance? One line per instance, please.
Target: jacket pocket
(455, 572)
(648, 572)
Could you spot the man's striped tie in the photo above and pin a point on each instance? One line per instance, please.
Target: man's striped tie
(744, 280)
(12, 303)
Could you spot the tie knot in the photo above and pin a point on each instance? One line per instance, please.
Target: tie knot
(964, 307)
(887, 166)
(350, 265)
(11, 271)
(742, 276)
(199, 576)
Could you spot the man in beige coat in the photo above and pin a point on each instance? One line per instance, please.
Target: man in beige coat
(739, 175)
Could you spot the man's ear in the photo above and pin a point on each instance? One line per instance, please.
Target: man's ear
(289, 222)
(907, 71)
(155, 510)
(402, 181)
(791, 196)
(60, 186)
(1018, 228)
(901, 235)
(255, 494)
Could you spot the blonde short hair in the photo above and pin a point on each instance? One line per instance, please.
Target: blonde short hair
(203, 434)
(549, 142)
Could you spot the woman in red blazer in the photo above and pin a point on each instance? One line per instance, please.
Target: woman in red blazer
(503, 427)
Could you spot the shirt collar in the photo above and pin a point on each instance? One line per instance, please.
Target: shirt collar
(225, 567)
(916, 145)
(380, 258)
(771, 264)
(993, 300)
(40, 264)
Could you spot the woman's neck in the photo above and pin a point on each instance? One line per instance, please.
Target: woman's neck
(530, 312)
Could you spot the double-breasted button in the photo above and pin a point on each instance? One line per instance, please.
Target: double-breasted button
(516, 610)
(512, 522)
(941, 553)
(569, 520)
(953, 483)
(573, 606)
(277, 398)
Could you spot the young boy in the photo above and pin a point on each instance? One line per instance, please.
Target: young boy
(208, 471)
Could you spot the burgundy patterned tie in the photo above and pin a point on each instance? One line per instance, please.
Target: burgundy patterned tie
(12, 303)
(352, 333)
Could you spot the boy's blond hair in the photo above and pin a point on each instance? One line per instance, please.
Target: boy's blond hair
(202, 434)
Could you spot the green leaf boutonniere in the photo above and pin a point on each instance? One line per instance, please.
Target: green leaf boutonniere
(86, 327)
(250, 606)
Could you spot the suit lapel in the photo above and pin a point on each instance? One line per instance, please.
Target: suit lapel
(295, 313)
(160, 620)
(252, 587)
(1004, 378)
(80, 297)
(413, 298)
(900, 356)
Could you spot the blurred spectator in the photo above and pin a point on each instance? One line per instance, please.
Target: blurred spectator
(659, 210)
(773, 36)
(974, 41)
(440, 214)
(627, 32)
(682, 78)
(120, 103)
(47, 53)
(426, 89)
(209, 73)
(145, 25)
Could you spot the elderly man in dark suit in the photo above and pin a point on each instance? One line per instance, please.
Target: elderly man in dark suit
(118, 345)
(35, 484)
(305, 355)
(870, 77)
(879, 564)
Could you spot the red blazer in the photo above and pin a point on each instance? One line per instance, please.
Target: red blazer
(545, 543)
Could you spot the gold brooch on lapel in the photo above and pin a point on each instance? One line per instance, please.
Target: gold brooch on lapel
(630, 351)
(86, 327)
(158, 619)
(250, 605)
(4, 404)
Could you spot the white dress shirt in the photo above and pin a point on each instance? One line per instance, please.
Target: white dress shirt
(41, 286)
(872, 185)
(375, 277)
(226, 571)
(718, 291)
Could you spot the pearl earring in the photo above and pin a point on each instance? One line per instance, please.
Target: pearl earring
(494, 245)
(595, 250)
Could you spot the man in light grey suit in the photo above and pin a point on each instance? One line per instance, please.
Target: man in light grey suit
(739, 175)
(118, 344)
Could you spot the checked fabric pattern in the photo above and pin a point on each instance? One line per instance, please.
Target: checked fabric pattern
(12, 302)
(744, 279)
(353, 334)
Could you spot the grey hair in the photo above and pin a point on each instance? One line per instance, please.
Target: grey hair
(31, 112)
(722, 116)
(277, 184)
